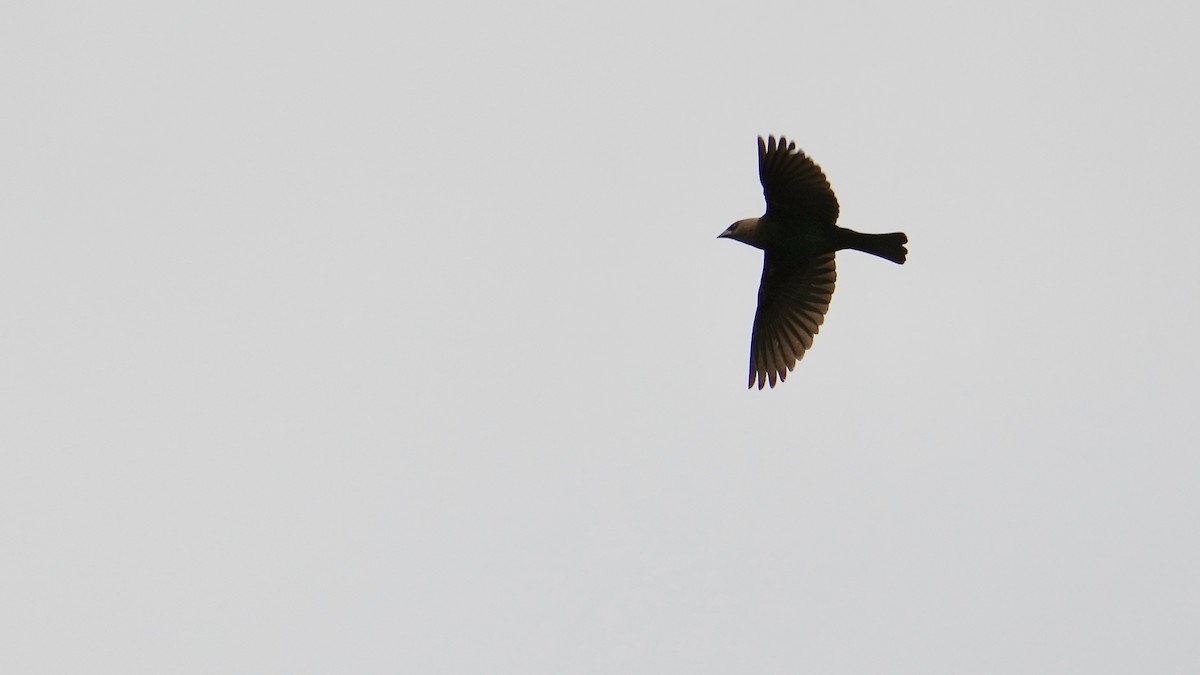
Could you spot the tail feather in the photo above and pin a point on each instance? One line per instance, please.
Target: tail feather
(888, 246)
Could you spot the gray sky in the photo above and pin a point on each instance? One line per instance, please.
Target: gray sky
(350, 338)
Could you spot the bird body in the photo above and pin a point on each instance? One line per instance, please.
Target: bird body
(799, 237)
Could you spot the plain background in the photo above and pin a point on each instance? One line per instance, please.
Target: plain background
(367, 338)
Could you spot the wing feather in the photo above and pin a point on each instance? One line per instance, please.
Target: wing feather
(794, 186)
(792, 301)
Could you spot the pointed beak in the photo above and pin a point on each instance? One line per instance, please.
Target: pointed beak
(724, 234)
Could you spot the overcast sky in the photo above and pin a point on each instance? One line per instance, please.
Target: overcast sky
(360, 338)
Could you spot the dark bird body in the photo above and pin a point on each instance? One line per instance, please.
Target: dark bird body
(799, 237)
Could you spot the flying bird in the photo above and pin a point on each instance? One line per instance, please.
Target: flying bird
(799, 237)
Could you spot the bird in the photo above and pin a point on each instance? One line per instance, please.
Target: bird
(799, 237)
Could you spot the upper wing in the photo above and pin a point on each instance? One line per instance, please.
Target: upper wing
(793, 184)
(792, 300)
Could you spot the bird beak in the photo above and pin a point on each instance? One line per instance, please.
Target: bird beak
(724, 234)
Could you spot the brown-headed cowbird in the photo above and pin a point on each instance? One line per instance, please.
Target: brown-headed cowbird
(799, 237)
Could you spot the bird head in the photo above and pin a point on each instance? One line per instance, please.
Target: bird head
(745, 231)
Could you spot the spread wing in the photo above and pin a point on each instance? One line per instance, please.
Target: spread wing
(792, 300)
(793, 184)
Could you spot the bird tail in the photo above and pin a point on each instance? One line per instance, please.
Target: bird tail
(889, 246)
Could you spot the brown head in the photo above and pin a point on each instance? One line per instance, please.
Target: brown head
(745, 231)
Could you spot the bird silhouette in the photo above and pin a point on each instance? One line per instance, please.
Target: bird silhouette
(799, 237)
